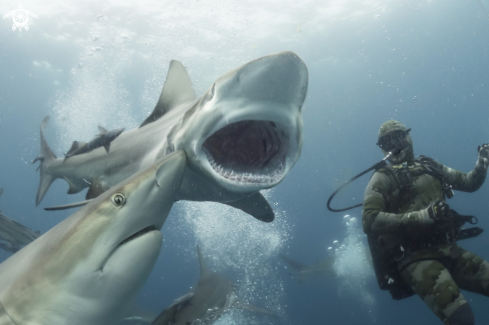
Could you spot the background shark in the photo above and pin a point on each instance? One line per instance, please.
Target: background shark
(243, 135)
(212, 296)
(13, 235)
(103, 139)
(89, 268)
(323, 268)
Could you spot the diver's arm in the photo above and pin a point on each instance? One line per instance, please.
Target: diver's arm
(376, 220)
(466, 182)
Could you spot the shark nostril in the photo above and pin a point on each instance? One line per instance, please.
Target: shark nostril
(118, 199)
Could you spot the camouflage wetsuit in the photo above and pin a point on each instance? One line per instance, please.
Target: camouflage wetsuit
(432, 267)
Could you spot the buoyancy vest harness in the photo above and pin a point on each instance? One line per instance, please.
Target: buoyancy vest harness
(388, 250)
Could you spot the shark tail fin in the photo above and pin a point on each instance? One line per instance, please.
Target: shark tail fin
(203, 266)
(45, 158)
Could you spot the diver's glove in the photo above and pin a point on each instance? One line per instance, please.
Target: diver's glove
(437, 211)
(483, 151)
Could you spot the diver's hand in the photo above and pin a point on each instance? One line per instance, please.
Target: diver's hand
(483, 151)
(438, 210)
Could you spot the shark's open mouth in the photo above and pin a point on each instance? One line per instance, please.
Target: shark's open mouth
(248, 151)
(138, 234)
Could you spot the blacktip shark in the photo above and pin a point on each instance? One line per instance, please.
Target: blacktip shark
(207, 302)
(323, 268)
(14, 235)
(89, 268)
(103, 139)
(242, 136)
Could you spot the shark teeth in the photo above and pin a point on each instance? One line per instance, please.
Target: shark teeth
(246, 177)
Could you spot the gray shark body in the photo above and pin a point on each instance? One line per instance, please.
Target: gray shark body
(89, 268)
(14, 235)
(212, 296)
(101, 140)
(243, 135)
(323, 268)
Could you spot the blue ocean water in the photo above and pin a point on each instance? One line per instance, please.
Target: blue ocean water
(424, 63)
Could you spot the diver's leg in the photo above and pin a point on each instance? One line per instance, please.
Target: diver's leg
(434, 284)
(471, 272)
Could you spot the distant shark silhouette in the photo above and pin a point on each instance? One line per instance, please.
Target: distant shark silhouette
(323, 268)
(13, 235)
(210, 299)
(138, 316)
(103, 139)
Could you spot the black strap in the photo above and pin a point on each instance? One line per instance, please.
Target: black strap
(468, 233)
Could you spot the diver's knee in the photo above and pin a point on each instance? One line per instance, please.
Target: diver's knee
(463, 315)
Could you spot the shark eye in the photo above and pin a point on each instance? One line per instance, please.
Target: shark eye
(118, 199)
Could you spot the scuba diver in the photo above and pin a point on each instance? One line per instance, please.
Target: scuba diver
(412, 232)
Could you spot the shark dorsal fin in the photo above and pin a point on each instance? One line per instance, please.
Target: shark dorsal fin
(177, 90)
(75, 146)
(101, 130)
(204, 270)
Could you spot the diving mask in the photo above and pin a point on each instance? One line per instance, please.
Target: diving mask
(394, 141)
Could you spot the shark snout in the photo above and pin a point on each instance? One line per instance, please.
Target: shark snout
(250, 124)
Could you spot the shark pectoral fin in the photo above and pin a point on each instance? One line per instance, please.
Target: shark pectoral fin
(67, 206)
(107, 147)
(44, 183)
(245, 306)
(183, 299)
(74, 187)
(1, 191)
(177, 90)
(101, 130)
(255, 205)
(167, 316)
(96, 188)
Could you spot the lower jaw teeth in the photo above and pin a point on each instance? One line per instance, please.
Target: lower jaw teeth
(247, 177)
